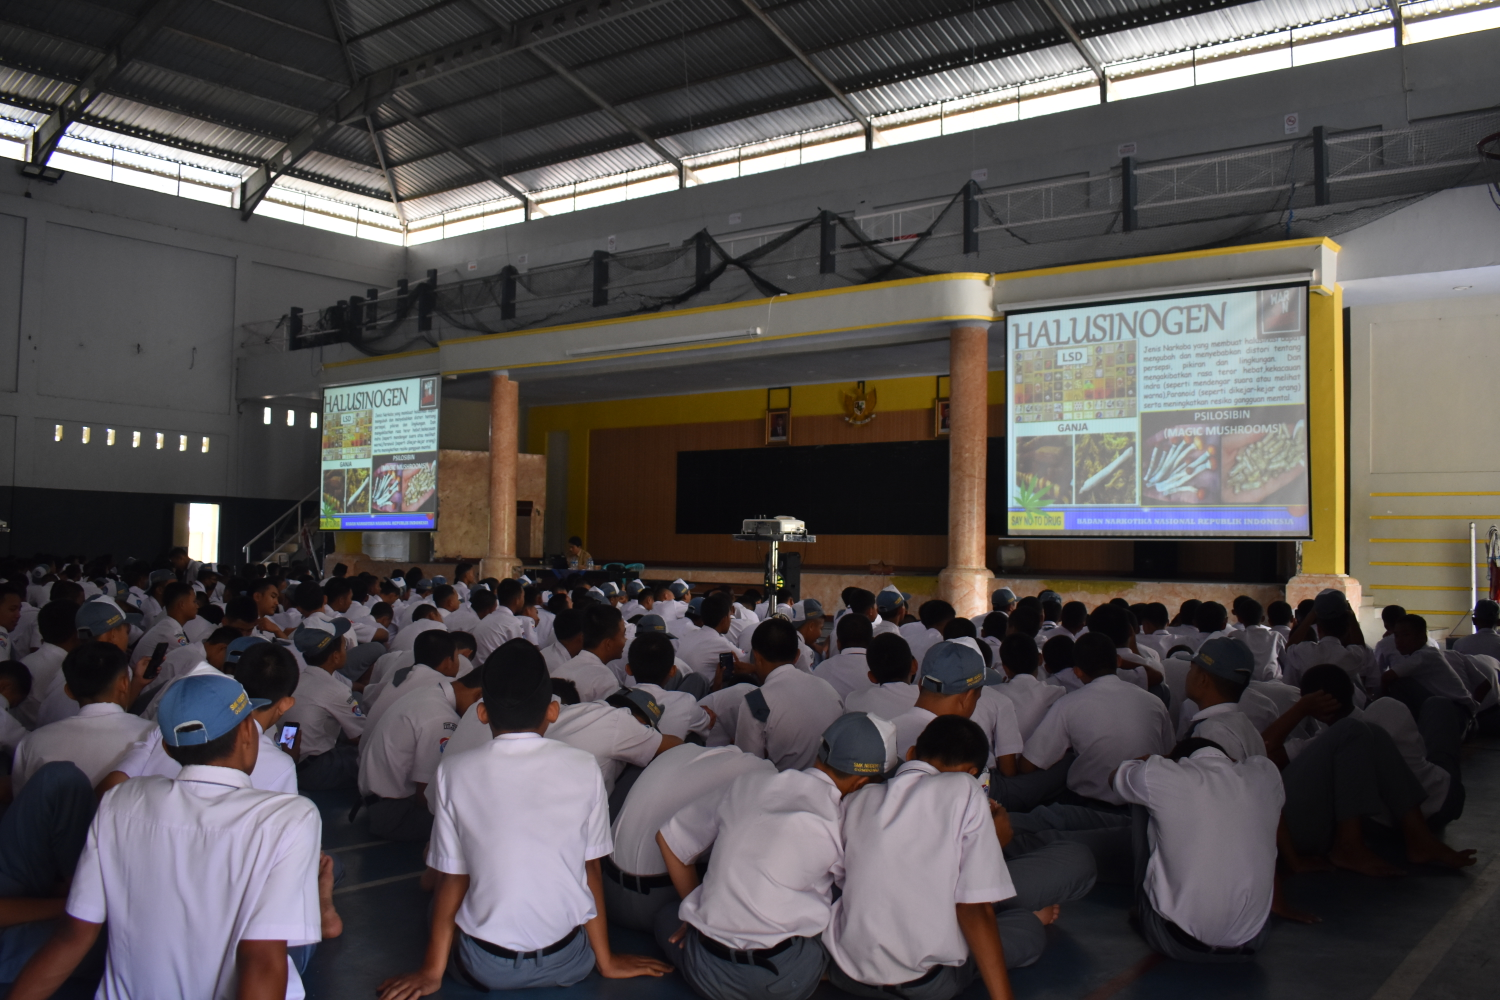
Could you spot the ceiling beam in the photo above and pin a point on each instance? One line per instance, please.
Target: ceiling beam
(1083, 50)
(390, 178)
(51, 129)
(375, 89)
(483, 167)
(797, 53)
(276, 21)
(403, 19)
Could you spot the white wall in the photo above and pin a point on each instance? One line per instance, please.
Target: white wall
(122, 308)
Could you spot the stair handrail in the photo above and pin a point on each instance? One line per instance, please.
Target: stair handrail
(296, 509)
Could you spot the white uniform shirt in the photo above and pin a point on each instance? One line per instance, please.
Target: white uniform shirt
(167, 630)
(725, 704)
(275, 771)
(325, 707)
(885, 701)
(913, 848)
(1357, 661)
(1430, 668)
(1105, 722)
(996, 715)
(909, 726)
(1396, 719)
(1213, 840)
(520, 816)
(496, 629)
(1031, 699)
(700, 650)
(154, 838)
(680, 712)
(555, 655)
(421, 676)
(1230, 728)
(1484, 642)
(920, 638)
(462, 620)
(682, 776)
(847, 671)
(11, 730)
(612, 735)
(46, 670)
(1266, 644)
(405, 745)
(801, 707)
(777, 850)
(94, 739)
(595, 681)
(406, 639)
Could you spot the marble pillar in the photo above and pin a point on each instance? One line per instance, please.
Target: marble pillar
(505, 420)
(965, 583)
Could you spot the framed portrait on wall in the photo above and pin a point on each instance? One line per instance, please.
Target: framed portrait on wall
(940, 418)
(778, 426)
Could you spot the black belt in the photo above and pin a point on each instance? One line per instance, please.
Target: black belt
(551, 949)
(635, 883)
(897, 989)
(1185, 939)
(754, 956)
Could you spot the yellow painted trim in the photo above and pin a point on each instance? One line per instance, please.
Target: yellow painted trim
(723, 306)
(1476, 493)
(1430, 517)
(1326, 551)
(1166, 258)
(1446, 541)
(1394, 586)
(1429, 611)
(383, 357)
(1417, 564)
(680, 348)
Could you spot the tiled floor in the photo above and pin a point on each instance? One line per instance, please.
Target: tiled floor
(1377, 937)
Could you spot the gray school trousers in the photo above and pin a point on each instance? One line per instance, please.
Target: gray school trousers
(485, 971)
(1106, 835)
(41, 837)
(1044, 875)
(1165, 937)
(338, 768)
(1353, 769)
(941, 983)
(1025, 792)
(400, 819)
(790, 975)
(636, 910)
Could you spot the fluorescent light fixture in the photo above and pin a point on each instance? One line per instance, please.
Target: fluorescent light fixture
(57, 432)
(205, 446)
(312, 419)
(87, 433)
(109, 437)
(135, 439)
(182, 442)
(161, 440)
(291, 418)
(697, 338)
(265, 415)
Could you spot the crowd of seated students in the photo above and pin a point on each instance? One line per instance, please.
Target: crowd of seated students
(899, 803)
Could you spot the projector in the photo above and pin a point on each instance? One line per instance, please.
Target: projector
(768, 526)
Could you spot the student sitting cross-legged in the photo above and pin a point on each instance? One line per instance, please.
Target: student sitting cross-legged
(519, 826)
(152, 842)
(751, 930)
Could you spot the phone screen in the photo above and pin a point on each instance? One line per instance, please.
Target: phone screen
(154, 666)
(726, 660)
(288, 736)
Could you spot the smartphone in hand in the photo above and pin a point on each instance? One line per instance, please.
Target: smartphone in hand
(288, 736)
(154, 666)
(726, 662)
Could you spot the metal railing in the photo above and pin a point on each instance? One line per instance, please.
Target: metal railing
(280, 539)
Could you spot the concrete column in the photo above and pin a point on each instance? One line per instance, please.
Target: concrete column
(965, 583)
(505, 421)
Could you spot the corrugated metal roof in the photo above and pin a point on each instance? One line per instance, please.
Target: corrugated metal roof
(237, 78)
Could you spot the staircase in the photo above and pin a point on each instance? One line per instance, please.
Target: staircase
(292, 537)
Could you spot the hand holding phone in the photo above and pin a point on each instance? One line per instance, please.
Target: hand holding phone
(288, 736)
(153, 667)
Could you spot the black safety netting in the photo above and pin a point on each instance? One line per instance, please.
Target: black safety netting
(1320, 185)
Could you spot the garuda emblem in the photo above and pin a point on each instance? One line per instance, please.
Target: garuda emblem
(859, 405)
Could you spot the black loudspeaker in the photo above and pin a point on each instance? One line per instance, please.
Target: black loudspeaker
(789, 575)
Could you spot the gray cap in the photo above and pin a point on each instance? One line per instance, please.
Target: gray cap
(806, 610)
(609, 588)
(1049, 595)
(890, 600)
(640, 700)
(1330, 604)
(1226, 658)
(438, 581)
(954, 666)
(1487, 609)
(634, 588)
(647, 624)
(695, 605)
(160, 576)
(315, 636)
(98, 617)
(1001, 597)
(859, 744)
(678, 588)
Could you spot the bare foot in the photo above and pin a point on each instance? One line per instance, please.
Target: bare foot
(1364, 861)
(1438, 853)
(333, 924)
(1048, 914)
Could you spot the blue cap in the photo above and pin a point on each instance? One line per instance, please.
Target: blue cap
(609, 588)
(200, 708)
(239, 645)
(695, 605)
(1330, 604)
(1226, 658)
(806, 610)
(316, 635)
(678, 588)
(859, 744)
(98, 617)
(634, 588)
(1049, 595)
(160, 576)
(954, 666)
(640, 700)
(647, 624)
(1002, 596)
(438, 581)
